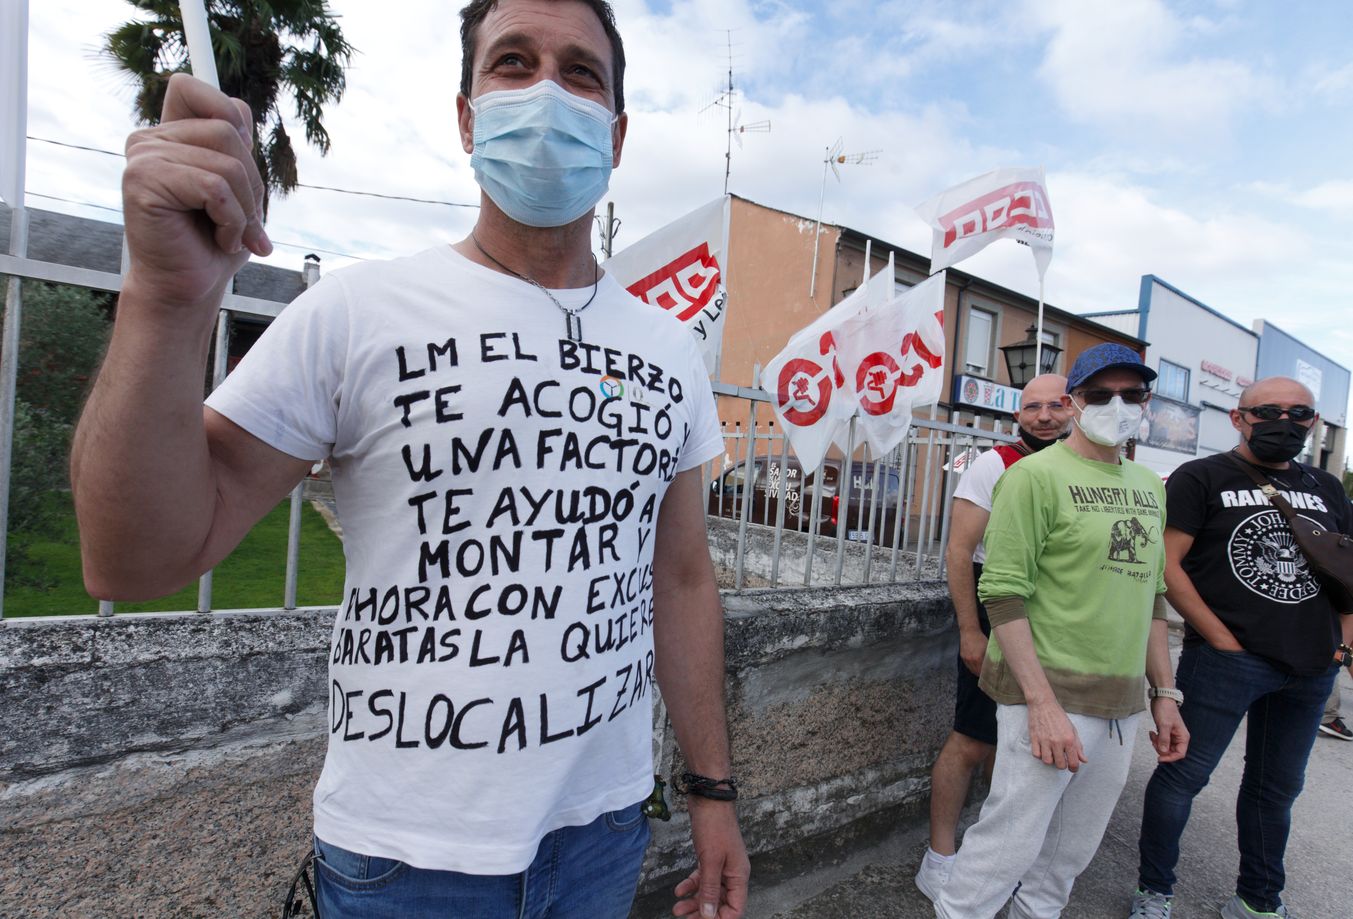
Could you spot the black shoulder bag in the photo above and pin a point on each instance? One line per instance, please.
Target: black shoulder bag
(1330, 555)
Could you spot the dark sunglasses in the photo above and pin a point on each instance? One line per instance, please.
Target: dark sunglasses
(1271, 412)
(1102, 396)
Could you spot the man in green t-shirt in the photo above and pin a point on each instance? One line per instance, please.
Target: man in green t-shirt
(1074, 584)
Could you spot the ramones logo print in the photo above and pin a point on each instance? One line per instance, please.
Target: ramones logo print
(1265, 558)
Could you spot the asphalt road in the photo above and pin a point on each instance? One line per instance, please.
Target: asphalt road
(1319, 855)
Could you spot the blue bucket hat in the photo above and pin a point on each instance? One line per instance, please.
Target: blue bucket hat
(1108, 356)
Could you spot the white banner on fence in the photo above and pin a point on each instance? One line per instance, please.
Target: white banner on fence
(1009, 203)
(893, 356)
(13, 99)
(683, 268)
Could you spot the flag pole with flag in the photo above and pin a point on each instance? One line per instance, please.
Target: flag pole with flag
(894, 356)
(812, 397)
(683, 268)
(1009, 203)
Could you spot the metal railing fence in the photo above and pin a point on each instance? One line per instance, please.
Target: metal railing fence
(891, 511)
(887, 517)
(17, 267)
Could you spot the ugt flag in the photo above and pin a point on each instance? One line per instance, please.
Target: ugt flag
(812, 398)
(1008, 203)
(682, 268)
(894, 357)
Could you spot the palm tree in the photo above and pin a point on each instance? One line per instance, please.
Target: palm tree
(265, 49)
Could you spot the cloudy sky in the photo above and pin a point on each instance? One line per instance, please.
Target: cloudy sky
(1204, 141)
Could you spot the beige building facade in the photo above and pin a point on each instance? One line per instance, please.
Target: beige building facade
(772, 294)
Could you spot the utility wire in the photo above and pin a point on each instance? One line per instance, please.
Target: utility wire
(275, 242)
(341, 191)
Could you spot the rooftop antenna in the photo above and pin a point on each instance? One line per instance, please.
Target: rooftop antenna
(735, 126)
(833, 159)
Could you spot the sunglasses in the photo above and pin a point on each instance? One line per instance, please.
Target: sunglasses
(1102, 396)
(1271, 412)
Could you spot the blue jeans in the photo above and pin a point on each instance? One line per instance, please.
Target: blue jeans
(579, 871)
(1220, 688)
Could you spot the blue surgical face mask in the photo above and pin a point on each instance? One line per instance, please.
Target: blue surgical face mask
(542, 154)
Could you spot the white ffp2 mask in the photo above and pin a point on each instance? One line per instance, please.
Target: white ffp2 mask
(1110, 425)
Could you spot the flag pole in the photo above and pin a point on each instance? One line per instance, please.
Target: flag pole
(201, 58)
(1038, 336)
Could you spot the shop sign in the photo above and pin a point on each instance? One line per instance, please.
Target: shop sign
(1217, 370)
(977, 393)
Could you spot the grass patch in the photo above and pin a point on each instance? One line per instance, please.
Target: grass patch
(253, 576)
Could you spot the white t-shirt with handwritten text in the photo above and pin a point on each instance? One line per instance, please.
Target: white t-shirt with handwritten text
(491, 672)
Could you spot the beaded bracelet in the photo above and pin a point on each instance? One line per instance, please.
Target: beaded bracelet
(704, 787)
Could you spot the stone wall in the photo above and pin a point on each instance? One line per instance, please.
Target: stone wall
(162, 765)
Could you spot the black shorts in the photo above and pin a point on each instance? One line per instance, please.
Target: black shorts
(974, 712)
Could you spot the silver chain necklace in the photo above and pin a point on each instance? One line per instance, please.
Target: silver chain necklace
(573, 325)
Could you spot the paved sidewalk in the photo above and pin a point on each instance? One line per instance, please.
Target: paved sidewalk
(1319, 856)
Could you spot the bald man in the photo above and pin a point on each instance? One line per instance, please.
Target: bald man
(1042, 421)
(1261, 639)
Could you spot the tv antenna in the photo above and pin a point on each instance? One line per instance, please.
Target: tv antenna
(736, 127)
(832, 160)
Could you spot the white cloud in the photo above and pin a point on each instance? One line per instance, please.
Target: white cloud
(1337, 83)
(1123, 209)
(1125, 65)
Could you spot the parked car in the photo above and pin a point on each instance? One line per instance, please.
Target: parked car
(727, 491)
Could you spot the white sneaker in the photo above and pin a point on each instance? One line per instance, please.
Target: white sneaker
(1236, 908)
(932, 877)
(1147, 904)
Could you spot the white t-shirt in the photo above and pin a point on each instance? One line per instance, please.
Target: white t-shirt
(491, 672)
(976, 484)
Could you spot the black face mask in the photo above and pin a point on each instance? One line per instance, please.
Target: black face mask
(1038, 443)
(1277, 441)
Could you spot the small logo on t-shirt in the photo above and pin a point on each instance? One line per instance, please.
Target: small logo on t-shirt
(1265, 558)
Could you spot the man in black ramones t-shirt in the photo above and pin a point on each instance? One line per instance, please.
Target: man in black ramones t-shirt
(1261, 640)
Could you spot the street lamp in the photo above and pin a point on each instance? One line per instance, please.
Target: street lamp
(1019, 358)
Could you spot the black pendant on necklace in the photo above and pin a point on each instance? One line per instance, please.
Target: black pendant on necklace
(573, 327)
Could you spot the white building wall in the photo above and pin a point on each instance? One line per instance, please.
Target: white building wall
(1125, 322)
(1220, 356)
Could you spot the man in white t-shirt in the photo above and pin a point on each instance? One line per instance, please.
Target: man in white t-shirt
(1042, 419)
(515, 444)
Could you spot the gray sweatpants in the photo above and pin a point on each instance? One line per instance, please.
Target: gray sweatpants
(1040, 825)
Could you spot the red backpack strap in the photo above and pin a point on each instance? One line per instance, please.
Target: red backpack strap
(1012, 453)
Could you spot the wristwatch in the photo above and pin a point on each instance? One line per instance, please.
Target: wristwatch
(1161, 692)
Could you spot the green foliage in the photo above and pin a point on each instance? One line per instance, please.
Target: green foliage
(62, 339)
(253, 577)
(38, 470)
(265, 49)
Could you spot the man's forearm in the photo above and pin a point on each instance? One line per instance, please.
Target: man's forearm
(689, 651)
(1184, 597)
(1016, 640)
(1159, 673)
(141, 473)
(962, 590)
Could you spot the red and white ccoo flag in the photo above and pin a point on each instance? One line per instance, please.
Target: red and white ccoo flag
(1009, 203)
(812, 398)
(894, 357)
(682, 268)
